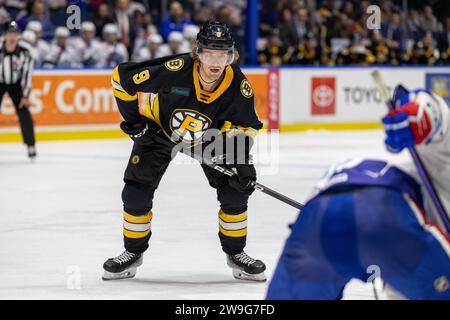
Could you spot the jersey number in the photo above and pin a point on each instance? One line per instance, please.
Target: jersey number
(141, 77)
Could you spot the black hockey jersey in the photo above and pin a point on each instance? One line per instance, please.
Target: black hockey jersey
(167, 91)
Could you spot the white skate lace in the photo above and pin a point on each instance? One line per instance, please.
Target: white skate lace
(244, 258)
(124, 257)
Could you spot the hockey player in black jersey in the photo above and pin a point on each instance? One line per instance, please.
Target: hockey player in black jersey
(176, 100)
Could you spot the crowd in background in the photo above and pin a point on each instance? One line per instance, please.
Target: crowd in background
(305, 32)
(336, 32)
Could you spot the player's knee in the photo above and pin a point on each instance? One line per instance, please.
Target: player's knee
(231, 200)
(137, 198)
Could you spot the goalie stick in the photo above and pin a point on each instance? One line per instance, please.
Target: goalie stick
(424, 176)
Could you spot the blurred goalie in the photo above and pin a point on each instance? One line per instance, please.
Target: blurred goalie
(367, 213)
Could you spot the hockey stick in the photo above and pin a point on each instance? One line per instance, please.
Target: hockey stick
(256, 185)
(424, 176)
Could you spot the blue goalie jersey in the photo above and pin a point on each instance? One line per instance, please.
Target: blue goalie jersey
(364, 215)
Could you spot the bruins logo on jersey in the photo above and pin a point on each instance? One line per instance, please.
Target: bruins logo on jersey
(246, 89)
(188, 125)
(174, 64)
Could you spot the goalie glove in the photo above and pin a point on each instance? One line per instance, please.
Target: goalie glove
(416, 120)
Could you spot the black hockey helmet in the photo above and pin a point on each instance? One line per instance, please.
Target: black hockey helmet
(215, 35)
(11, 26)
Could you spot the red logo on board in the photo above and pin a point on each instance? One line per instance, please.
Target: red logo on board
(323, 96)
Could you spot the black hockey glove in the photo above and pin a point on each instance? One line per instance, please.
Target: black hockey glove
(244, 178)
(136, 132)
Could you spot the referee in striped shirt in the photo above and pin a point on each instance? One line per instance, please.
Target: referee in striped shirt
(16, 67)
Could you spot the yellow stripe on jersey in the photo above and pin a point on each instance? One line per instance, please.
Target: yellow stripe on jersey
(150, 109)
(136, 227)
(232, 130)
(153, 107)
(135, 234)
(206, 96)
(149, 106)
(117, 88)
(233, 233)
(138, 219)
(232, 217)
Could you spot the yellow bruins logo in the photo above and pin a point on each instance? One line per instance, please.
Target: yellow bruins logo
(246, 89)
(175, 64)
(188, 125)
(135, 159)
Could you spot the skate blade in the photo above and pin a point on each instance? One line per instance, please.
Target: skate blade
(241, 275)
(126, 274)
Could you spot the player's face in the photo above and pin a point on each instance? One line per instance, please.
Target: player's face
(213, 62)
(88, 35)
(11, 39)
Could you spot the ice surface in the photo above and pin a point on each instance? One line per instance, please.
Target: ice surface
(61, 217)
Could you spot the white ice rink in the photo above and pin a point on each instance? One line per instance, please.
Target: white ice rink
(61, 218)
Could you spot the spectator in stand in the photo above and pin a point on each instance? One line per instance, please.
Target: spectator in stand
(61, 54)
(231, 15)
(423, 52)
(356, 53)
(38, 12)
(12, 8)
(125, 24)
(190, 36)
(57, 12)
(151, 49)
(103, 16)
(444, 43)
(428, 21)
(285, 26)
(308, 52)
(413, 25)
(379, 49)
(176, 20)
(174, 45)
(88, 48)
(5, 17)
(294, 32)
(42, 46)
(393, 32)
(113, 51)
(341, 27)
(203, 15)
(144, 27)
(28, 40)
(273, 53)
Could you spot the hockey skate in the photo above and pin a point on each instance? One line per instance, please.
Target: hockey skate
(246, 268)
(122, 267)
(31, 150)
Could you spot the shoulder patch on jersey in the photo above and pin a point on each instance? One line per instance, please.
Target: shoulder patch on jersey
(174, 64)
(246, 89)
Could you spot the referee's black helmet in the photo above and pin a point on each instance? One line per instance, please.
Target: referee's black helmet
(11, 27)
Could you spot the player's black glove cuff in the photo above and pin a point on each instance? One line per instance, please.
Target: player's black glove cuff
(244, 179)
(135, 132)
